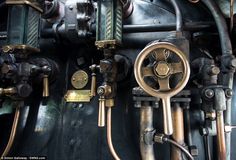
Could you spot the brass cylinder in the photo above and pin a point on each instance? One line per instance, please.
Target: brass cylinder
(109, 135)
(101, 112)
(146, 124)
(13, 133)
(93, 85)
(45, 86)
(178, 134)
(220, 136)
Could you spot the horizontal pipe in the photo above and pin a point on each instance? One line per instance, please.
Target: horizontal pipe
(137, 28)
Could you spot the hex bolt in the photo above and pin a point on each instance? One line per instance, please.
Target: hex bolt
(209, 93)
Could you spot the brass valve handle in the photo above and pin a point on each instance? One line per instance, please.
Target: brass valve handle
(161, 70)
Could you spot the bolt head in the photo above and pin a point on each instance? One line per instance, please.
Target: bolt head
(162, 69)
(209, 93)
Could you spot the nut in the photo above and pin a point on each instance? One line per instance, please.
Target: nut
(162, 69)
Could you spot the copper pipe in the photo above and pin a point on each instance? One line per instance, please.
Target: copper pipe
(178, 134)
(109, 137)
(146, 125)
(13, 133)
(220, 136)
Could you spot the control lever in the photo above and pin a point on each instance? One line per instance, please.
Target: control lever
(161, 71)
(93, 83)
(46, 71)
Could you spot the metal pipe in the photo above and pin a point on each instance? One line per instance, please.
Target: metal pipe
(220, 136)
(13, 133)
(187, 127)
(231, 15)
(146, 125)
(179, 19)
(226, 46)
(138, 28)
(178, 134)
(109, 135)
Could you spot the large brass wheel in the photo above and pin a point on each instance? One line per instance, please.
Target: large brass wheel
(161, 69)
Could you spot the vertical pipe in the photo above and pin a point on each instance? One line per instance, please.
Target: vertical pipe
(178, 134)
(109, 135)
(146, 124)
(220, 136)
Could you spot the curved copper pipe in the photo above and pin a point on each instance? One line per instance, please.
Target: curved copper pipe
(109, 137)
(13, 132)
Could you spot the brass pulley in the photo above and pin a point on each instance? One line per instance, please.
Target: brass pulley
(161, 69)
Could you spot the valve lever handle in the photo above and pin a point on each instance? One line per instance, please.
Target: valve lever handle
(101, 112)
(167, 118)
(45, 86)
(93, 85)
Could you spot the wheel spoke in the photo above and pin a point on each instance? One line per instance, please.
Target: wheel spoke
(147, 71)
(164, 83)
(160, 55)
(176, 68)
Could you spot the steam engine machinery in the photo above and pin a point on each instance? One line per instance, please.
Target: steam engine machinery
(117, 79)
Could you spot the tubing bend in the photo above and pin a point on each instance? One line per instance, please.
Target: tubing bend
(13, 133)
(179, 19)
(109, 135)
(220, 136)
(146, 125)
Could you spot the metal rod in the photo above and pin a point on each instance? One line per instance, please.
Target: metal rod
(109, 135)
(178, 134)
(13, 133)
(146, 125)
(220, 136)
